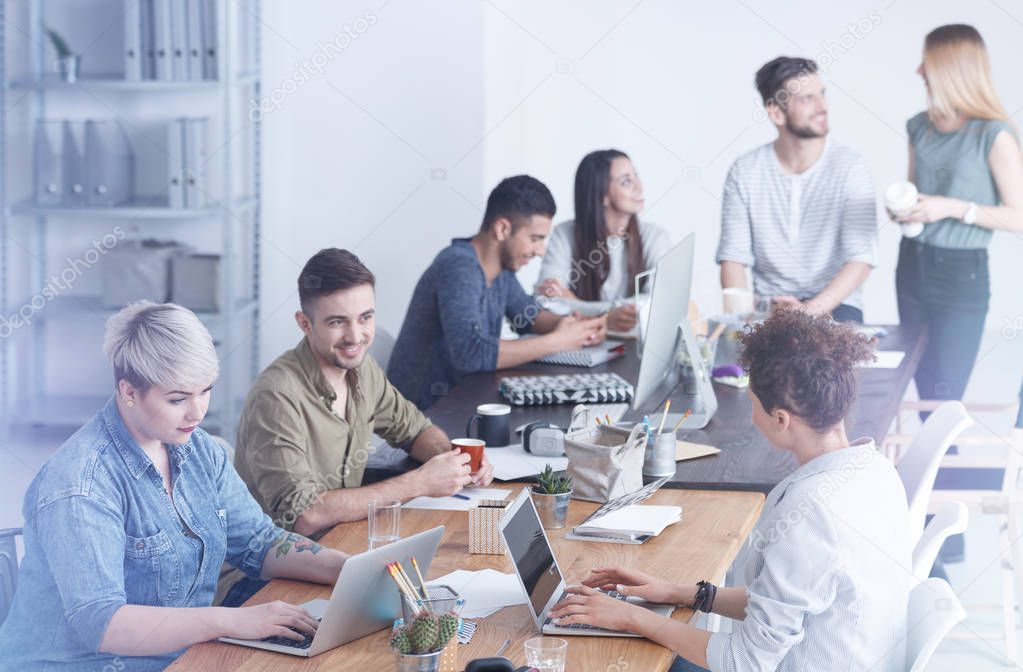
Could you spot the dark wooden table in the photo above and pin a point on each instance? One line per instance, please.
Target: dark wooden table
(746, 461)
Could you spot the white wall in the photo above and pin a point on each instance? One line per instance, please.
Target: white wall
(671, 83)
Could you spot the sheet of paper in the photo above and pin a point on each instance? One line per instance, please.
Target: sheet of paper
(886, 359)
(511, 462)
(457, 503)
(684, 450)
(485, 591)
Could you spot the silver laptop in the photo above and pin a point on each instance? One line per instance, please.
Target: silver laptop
(364, 600)
(540, 576)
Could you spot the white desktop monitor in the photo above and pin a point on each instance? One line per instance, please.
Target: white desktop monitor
(668, 318)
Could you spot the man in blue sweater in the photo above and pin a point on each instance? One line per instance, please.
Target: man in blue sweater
(453, 324)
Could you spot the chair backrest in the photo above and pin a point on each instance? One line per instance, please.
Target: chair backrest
(933, 610)
(951, 518)
(8, 569)
(919, 466)
(227, 446)
(382, 347)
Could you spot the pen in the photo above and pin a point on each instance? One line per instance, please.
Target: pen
(458, 496)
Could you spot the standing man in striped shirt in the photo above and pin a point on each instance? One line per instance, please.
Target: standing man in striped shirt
(800, 211)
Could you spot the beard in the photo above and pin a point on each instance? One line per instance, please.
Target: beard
(804, 131)
(507, 259)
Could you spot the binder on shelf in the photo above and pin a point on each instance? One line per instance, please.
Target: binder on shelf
(73, 150)
(193, 28)
(133, 40)
(196, 153)
(109, 163)
(162, 39)
(49, 163)
(210, 38)
(175, 166)
(179, 40)
(146, 38)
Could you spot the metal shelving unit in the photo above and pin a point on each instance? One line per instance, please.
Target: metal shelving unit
(235, 211)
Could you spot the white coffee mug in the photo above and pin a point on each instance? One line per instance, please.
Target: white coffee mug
(900, 197)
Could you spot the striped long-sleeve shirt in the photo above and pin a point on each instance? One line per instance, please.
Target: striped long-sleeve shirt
(827, 572)
(797, 231)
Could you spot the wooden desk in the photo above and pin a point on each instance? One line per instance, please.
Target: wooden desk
(702, 546)
(746, 461)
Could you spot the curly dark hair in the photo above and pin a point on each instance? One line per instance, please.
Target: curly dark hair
(804, 364)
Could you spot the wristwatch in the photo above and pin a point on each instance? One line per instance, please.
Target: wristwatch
(970, 216)
(705, 594)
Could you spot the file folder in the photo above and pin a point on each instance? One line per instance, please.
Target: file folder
(210, 39)
(49, 163)
(193, 11)
(179, 40)
(147, 39)
(175, 167)
(109, 164)
(162, 39)
(195, 156)
(133, 40)
(73, 150)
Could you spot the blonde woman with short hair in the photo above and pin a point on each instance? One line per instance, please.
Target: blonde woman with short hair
(128, 524)
(964, 157)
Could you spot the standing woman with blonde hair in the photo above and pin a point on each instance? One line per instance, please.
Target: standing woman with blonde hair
(964, 157)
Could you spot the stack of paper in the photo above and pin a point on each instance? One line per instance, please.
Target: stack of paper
(633, 520)
(457, 503)
(485, 591)
(511, 462)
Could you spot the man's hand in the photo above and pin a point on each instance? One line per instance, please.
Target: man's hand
(553, 288)
(485, 475)
(622, 318)
(574, 332)
(444, 475)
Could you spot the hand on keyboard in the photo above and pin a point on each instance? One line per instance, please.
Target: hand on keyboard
(588, 606)
(273, 619)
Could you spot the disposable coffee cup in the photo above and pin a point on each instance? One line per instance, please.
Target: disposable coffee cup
(473, 448)
(900, 197)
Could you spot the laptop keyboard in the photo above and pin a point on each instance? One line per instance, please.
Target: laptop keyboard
(584, 626)
(305, 643)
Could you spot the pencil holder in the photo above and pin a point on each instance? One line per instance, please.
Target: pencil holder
(442, 600)
(484, 533)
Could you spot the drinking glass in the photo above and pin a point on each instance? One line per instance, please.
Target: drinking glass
(384, 522)
(547, 654)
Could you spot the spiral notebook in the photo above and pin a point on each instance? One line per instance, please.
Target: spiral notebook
(591, 356)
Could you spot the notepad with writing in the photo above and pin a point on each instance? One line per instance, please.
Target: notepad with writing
(591, 356)
(632, 521)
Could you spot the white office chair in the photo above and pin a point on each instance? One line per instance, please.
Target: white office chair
(1001, 499)
(8, 569)
(933, 610)
(951, 518)
(919, 465)
(227, 446)
(382, 347)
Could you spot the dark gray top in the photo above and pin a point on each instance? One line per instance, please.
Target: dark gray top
(956, 165)
(453, 324)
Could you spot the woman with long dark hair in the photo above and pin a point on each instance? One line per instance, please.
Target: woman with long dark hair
(596, 256)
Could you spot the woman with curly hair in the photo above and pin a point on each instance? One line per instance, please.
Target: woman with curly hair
(826, 576)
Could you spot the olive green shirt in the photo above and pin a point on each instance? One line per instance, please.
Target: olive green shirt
(291, 446)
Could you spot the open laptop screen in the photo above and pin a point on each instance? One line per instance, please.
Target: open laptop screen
(532, 556)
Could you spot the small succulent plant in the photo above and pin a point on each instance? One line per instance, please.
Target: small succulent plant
(59, 44)
(550, 483)
(424, 634)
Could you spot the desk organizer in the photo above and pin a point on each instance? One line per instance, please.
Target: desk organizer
(484, 532)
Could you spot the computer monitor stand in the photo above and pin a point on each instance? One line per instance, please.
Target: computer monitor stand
(698, 391)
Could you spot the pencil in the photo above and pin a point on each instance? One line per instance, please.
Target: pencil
(607, 418)
(664, 416)
(685, 415)
(402, 588)
(422, 583)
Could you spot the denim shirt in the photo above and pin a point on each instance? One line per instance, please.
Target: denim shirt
(101, 532)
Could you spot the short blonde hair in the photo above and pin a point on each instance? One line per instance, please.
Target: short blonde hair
(959, 74)
(160, 344)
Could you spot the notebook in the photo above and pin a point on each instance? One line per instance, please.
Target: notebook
(634, 521)
(592, 356)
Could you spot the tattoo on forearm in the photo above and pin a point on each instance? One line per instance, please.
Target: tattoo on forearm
(288, 540)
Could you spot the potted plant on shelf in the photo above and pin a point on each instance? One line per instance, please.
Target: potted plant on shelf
(551, 495)
(67, 62)
(418, 645)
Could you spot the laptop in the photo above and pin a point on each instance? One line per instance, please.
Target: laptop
(540, 576)
(364, 599)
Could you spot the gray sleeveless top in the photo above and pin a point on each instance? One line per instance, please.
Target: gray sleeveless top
(955, 165)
